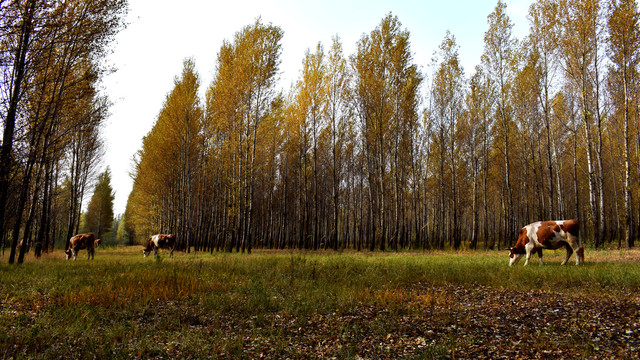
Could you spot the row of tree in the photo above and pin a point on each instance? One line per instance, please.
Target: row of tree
(353, 156)
(51, 56)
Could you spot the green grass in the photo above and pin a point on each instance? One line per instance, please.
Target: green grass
(122, 305)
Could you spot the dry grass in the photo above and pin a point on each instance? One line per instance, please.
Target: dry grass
(299, 304)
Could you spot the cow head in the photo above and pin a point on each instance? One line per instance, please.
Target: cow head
(516, 252)
(68, 253)
(147, 248)
(514, 256)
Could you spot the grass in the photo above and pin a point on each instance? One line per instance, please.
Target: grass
(278, 304)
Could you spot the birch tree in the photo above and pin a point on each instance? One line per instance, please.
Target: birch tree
(498, 60)
(624, 44)
(448, 99)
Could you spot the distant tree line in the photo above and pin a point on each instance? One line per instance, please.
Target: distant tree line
(355, 156)
(51, 58)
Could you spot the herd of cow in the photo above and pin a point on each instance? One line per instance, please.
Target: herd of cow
(88, 241)
(533, 238)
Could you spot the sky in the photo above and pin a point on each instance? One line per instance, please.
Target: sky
(149, 53)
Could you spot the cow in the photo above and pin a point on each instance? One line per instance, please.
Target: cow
(159, 241)
(97, 243)
(82, 241)
(547, 235)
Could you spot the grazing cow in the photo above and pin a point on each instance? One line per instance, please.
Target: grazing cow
(547, 235)
(82, 241)
(97, 243)
(160, 241)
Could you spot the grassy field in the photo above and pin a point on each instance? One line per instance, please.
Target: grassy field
(320, 305)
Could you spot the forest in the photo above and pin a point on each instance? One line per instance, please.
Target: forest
(52, 60)
(366, 151)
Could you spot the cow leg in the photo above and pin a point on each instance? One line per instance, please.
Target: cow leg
(579, 255)
(171, 253)
(529, 248)
(75, 254)
(575, 246)
(569, 252)
(155, 251)
(540, 256)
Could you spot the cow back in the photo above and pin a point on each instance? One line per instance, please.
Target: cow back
(82, 241)
(166, 240)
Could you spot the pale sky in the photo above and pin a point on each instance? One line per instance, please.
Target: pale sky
(150, 52)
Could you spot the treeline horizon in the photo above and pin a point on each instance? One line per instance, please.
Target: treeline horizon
(353, 156)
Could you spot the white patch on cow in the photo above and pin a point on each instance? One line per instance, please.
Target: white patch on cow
(155, 239)
(560, 222)
(532, 232)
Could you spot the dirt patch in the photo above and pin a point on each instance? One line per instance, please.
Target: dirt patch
(439, 321)
(480, 322)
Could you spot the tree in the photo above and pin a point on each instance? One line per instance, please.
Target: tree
(238, 100)
(475, 103)
(100, 210)
(624, 44)
(580, 39)
(168, 166)
(17, 59)
(544, 39)
(312, 101)
(498, 60)
(448, 103)
(386, 98)
(122, 236)
(338, 113)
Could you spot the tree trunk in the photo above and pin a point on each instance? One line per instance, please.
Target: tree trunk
(9, 125)
(628, 199)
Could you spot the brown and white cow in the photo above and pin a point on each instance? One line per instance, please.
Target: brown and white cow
(159, 241)
(82, 241)
(547, 235)
(97, 243)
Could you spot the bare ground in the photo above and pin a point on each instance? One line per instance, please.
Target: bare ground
(453, 322)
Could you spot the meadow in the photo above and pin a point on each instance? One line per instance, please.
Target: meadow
(346, 305)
